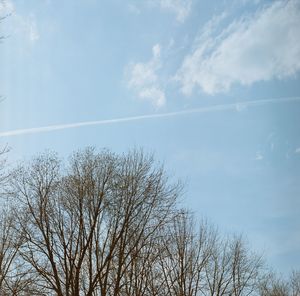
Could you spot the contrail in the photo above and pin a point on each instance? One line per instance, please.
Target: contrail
(223, 107)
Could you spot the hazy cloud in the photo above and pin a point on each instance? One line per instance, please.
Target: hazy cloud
(258, 156)
(30, 28)
(260, 47)
(19, 24)
(143, 79)
(6, 8)
(181, 8)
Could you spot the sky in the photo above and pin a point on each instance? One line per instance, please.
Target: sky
(212, 88)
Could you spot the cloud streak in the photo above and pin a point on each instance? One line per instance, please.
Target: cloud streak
(215, 108)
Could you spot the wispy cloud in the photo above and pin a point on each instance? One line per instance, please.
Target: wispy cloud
(143, 80)
(181, 8)
(208, 109)
(259, 47)
(25, 25)
(6, 8)
(31, 28)
(259, 156)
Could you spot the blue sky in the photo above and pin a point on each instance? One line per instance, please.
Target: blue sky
(65, 62)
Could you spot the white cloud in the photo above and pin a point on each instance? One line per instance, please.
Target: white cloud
(259, 156)
(6, 8)
(260, 47)
(297, 150)
(17, 23)
(27, 27)
(181, 8)
(143, 79)
(154, 94)
(33, 30)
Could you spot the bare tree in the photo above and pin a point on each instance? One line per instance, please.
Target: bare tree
(246, 268)
(232, 269)
(83, 226)
(109, 225)
(3, 167)
(9, 244)
(185, 254)
(271, 285)
(12, 280)
(295, 283)
(7, 250)
(274, 285)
